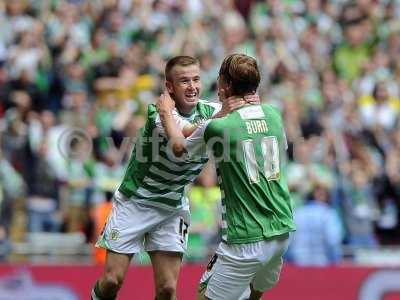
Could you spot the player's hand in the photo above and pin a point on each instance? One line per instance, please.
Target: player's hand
(165, 104)
(230, 104)
(252, 99)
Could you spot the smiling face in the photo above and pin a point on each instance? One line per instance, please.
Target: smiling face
(183, 84)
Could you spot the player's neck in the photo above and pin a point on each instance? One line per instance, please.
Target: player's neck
(186, 111)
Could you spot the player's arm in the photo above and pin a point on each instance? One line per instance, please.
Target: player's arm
(193, 145)
(228, 106)
(165, 107)
(189, 129)
(183, 125)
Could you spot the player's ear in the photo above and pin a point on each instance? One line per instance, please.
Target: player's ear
(169, 87)
(229, 89)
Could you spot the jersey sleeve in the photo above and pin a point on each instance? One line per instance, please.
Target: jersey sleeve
(180, 122)
(195, 143)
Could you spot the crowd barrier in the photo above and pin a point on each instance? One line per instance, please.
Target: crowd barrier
(73, 282)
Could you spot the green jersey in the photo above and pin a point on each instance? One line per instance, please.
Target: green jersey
(154, 176)
(249, 147)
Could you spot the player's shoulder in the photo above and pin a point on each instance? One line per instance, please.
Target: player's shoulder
(257, 111)
(152, 114)
(216, 125)
(212, 127)
(151, 109)
(271, 109)
(209, 104)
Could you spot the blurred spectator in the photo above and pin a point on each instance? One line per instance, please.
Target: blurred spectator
(78, 187)
(351, 57)
(359, 208)
(99, 214)
(5, 247)
(317, 240)
(380, 110)
(43, 202)
(12, 189)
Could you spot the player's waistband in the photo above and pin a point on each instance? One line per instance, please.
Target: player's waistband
(119, 196)
(279, 237)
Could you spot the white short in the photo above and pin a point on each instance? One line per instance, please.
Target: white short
(234, 267)
(134, 226)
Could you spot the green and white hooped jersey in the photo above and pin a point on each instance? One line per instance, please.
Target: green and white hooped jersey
(249, 148)
(154, 176)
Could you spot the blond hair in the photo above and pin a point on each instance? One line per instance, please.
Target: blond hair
(241, 72)
(182, 60)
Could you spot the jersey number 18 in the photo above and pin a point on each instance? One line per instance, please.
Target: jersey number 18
(270, 155)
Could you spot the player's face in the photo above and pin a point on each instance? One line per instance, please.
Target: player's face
(184, 87)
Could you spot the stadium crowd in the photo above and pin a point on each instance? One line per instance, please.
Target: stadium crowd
(76, 77)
